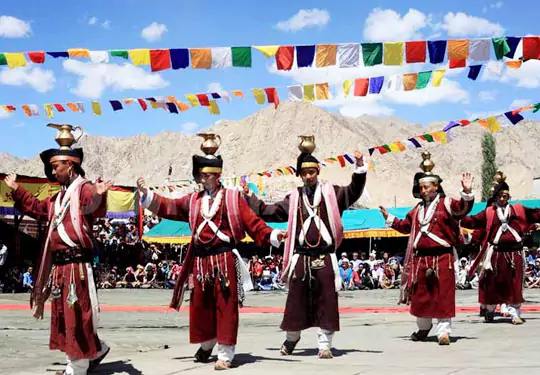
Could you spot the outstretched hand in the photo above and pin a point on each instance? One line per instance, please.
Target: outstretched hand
(466, 182)
(103, 186)
(10, 181)
(384, 212)
(282, 235)
(141, 184)
(359, 158)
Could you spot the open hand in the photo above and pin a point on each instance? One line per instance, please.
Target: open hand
(384, 212)
(102, 187)
(466, 182)
(10, 181)
(282, 235)
(141, 184)
(359, 158)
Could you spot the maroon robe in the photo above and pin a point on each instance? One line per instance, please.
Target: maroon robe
(434, 298)
(213, 312)
(72, 330)
(504, 283)
(312, 300)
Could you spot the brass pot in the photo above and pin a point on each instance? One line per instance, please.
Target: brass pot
(210, 145)
(426, 165)
(65, 137)
(307, 143)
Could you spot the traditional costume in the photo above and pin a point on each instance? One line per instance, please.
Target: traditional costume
(310, 266)
(500, 261)
(428, 279)
(218, 223)
(65, 269)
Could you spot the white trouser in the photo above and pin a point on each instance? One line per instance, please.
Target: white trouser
(77, 366)
(444, 326)
(324, 338)
(513, 310)
(225, 352)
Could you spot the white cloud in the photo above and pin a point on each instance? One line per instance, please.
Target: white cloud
(190, 127)
(303, 19)
(528, 76)
(214, 87)
(39, 79)
(5, 114)
(485, 114)
(463, 25)
(356, 107)
(92, 20)
(497, 5)
(389, 25)
(487, 95)
(95, 78)
(11, 27)
(518, 103)
(106, 24)
(449, 91)
(154, 31)
(19, 125)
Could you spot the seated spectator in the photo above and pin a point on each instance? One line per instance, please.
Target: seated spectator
(343, 258)
(346, 274)
(377, 274)
(28, 282)
(355, 262)
(129, 280)
(462, 279)
(111, 279)
(149, 277)
(388, 277)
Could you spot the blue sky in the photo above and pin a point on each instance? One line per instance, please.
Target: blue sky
(101, 25)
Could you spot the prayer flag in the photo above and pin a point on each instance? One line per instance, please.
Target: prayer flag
(493, 125)
(501, 47)
(96, 108)
(48, 110)
(305, 56)
(427, 137)
(58, 54)
(3, 60)
(221, 57)
(347, 87)
(321, 91)
(361, 86)
(80, 107)
(457, 63)
(383, 150)
(295, 93)
(259, 96)
(37, 57)
(272, 96)
(171, 107)
(73, 107)
(238, 93)
(514, 64)
(241, 57)
(341, 160)
(78, 52)
(268, 51)
(375, 84)
(309, 93)
(514, 118)
(348, 55)
(203, 99)
(415, 52)
(15, 60)
(213, 108)
(531, 48)
(59, 107)
(437, 50)
(479, 49)
(192, 99)
(372, 53)
(120, 53)
(140, 56)
(201, 58)
(409, 81)
(143, 104)
(393, 53)
(285, 57)
(325, 55)
(98, 57)
(179, 58)
(422, 80)
(414, 142)
(116, 105)
(474, 71)
(160, 59)
(513, 43)
(437, 77)
(458, 49)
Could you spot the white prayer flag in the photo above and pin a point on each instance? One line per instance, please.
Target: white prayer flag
(221, 57)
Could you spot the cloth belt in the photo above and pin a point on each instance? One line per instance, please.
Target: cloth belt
(507, 248)
(202, 252)
(322, 250)
(72, 255)
(433, 251)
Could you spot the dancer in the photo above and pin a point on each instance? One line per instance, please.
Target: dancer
(428, 278)
(219, 219)
(65, 268)
(500, 261)
(315, 232)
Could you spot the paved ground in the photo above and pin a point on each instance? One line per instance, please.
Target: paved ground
(156, 342)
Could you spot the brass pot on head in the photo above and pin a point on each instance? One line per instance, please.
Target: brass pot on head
(427, 164)
(210, 144)
(307, 143)
(65, 137)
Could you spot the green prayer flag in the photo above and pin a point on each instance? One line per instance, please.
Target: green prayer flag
(428, 137)
(3, 60)
(241, 57)
(501, 47)
(120, 53)
(536, 108)
(387, 147)
(422, 80)
(372, 53)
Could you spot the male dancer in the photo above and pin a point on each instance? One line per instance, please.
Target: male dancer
(65, 269)
(500, 260)
(315, 232)
(428, 280)
(219, 219)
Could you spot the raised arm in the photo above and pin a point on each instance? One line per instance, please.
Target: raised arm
(459, 208)
(262, 234)
(26, 202)
(347, 195)
(94, 198)
(478, 221)
(532, 214)
(173, 209)
(274, 213)
(402, 226)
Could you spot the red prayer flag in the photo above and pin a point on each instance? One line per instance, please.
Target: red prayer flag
(464, 122)
(458, 63)
(143, 104)
(11, 108)
(59, 107)
(361, 86)
(160, 59)
(272, 96)
(203, 99)
(531, 47)
(341, 160)
(382, 150)
(285, 57)
(415, 52)
(267, 174)
(37, 57)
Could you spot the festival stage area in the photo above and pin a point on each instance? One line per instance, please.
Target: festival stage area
(147, 339)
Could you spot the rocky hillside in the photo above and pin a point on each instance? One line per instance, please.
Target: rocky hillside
(269, 138)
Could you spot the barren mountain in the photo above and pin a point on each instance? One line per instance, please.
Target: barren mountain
(269, 139)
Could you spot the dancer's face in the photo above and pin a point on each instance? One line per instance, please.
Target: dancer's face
(210, 181)
(502, 199)
(309, 176)
(61, 170)
(428, 190)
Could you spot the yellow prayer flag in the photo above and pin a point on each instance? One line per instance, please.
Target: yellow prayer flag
(201, 58)
(213, 107)
(48, 110)
(238, 93)
(155, 104)
(409, 81)
(96, 108)
(15, 60)
(347, 86)
(259, 96)
(309, 93)
(78, 52)
(73, 107)
(140, 56)
(325, 55)
(442, 137)
(192, 99)
(458, 49)
(181, 106)
(322, 91)
(437, 77)
(393, 53)
(268, 51)
(493, 125)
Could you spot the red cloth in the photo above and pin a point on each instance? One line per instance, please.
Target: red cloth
(37, 57)
(457, 63)
(59, 107)
(272, 96)
(361, 86)
(415, 52)
(505, 283)
(203, 99)
(143, 104)
(531, 47)
(160, 59)
(285, 57)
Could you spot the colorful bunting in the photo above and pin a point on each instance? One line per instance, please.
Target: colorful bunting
(479, 49)
(201, 58)
(372, 53)
(37, 57)
(321, 91)
(422, 80)
(160, 59)
(375, 85)
(259, 96)
(325, 55)
(285, 57)
(140, 56)
(437, 50)
(361, 86)
(309, 93)
(458, 49)
(241, 57)
(348, 55)
(415, 52)
(501, 47)
(305, 56)
(393, 53)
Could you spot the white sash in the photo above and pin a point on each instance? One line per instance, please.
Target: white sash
(503, 215)
(61, 207)
(312, 216)
(208, 214)
(424, 219)
(245, 277)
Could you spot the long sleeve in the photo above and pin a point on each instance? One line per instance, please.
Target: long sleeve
(274, 213)
(172, 209)
(92, 203)
(461, 207)
(478, 221)
(402, 226)
(347, 195)
(30, 205)
(532, 214)
(257, 229)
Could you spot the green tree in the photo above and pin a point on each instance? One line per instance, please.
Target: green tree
(489, 168)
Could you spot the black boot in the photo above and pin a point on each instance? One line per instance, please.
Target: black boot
(421, 334)
(203, 355)
(483, 311)
(488, 318)
(288, 347)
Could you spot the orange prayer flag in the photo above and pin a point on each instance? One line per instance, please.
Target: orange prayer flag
(325, 55)
(238, 93)
(458, 49)
(409, 81)
(514, 64)
(26, 110)
(483, 123)
(201, 58)
(73, 107)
